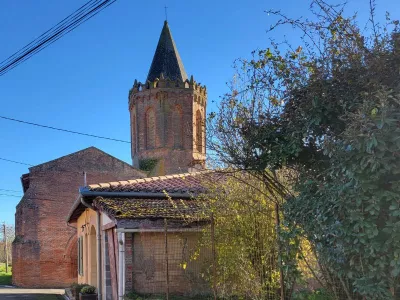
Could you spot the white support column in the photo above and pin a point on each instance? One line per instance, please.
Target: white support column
(121, 265)
(103, 262)
(99, 260)
(124, 269)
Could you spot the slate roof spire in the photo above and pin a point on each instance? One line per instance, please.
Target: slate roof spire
(166, 59)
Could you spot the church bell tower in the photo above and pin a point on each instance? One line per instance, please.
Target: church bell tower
(167, 115)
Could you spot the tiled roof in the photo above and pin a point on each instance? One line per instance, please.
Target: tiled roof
(179, 183)
(166, 59)
(179, 186)
(133, 208)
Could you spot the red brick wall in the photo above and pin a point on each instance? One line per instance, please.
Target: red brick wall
(129, 261)
(167, 103)
(44, 252)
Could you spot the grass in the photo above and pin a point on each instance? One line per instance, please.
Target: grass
(5, 278)
(49, 297)
(133, 296)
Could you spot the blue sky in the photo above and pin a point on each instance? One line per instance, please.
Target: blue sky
(81, 82)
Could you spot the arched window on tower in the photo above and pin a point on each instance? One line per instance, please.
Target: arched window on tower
(199, 132)
(177, 127)
(150, 129)
(133, 133)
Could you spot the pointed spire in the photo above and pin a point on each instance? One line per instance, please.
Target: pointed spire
(166, 59)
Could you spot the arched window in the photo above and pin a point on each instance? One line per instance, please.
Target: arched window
(133, 133)
(199, 132)
(150, 129)
(177, 127)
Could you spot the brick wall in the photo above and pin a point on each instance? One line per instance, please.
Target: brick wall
(45, 250)
(129, 260)
(146, 264)
(170, 114)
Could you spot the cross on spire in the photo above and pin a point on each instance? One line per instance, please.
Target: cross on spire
(166, 15)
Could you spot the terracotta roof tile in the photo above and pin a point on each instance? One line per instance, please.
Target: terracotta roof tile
(178, 183)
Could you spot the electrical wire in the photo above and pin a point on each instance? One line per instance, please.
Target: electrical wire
(64, 130)
(10, 190)
(43, 34)
(68, 24)
(10, 195)
(61, 31)
(16, 162)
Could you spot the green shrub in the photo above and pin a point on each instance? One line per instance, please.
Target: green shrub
(318, 294)
(76, 285)
(76, 288)
(133, 296)
(147, 164)
(88, 289)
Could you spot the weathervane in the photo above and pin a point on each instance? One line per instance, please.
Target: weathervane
(166, 15)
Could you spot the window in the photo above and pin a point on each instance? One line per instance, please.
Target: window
(80, 255)
(177, 127)
(133, 133)
(150, 129)
(199, 132)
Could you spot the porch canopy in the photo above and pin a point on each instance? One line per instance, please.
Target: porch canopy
(129, 203)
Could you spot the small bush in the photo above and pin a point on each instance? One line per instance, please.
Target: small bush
(147, 164)
(76, 288)
(318, 294)
(76, 285)
(132, 296)
(88, 289)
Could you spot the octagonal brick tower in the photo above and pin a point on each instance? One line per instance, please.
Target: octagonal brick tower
(167, 115)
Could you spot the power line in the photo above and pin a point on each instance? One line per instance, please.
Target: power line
(41, 38)
(16, 162)
(68, 24)
(65, 130)
(10, 190)
(38, 196)
(62, 28)
(41, 176)
(44, 34)
(10, 195)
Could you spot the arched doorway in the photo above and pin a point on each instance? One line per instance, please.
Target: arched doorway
(93, 257)
(71, 257)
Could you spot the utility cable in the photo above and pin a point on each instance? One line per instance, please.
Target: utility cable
(10, 190)
(16, 162)
(65, 130)
(10, 195)
(83, 14)
(41, 41)
(44, 34)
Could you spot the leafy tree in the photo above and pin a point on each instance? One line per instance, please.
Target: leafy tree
(245, 239)
(10, 234)
(329, 110)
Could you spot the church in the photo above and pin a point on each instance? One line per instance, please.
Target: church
(94, 236)
(167, 114)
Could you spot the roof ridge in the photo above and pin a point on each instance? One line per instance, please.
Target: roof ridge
(93, 148)
(146, 179)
